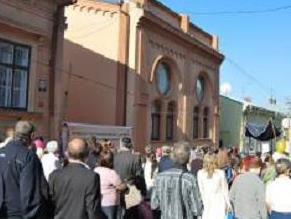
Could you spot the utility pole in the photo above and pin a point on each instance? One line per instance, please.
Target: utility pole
(288, 105)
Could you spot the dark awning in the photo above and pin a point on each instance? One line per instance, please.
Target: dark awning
(262, 133)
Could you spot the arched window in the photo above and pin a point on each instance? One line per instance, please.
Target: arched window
(200, 89)
(196, 122)
(156, 120)
(170, 121)
(205, 123)
(163, 78)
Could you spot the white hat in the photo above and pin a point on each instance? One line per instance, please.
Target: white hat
(52, 146)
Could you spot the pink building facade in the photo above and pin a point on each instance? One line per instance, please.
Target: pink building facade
(141, 65)
(31, 39)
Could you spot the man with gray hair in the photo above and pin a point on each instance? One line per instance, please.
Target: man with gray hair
(175, 192)
(23, 188)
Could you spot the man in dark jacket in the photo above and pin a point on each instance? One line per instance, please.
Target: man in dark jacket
(75, 189)
(126, 164)
(95, 149)
(23, 189)
(128, 167)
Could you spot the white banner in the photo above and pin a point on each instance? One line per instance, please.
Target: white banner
(101, 132)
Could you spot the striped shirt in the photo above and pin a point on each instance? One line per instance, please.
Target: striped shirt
(166, 195)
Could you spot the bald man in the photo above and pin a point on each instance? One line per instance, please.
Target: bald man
(75, 189)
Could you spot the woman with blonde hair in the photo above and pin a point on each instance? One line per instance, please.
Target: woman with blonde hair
(213, 188)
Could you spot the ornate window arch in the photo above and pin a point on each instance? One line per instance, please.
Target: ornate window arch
(200, 89)
(165, 79)
(201, 111)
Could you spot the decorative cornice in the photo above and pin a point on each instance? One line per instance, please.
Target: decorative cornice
(167, 50)
(96, 9)
(165, 8)
(203, 64)
(179, 55)
(150, 20)
(31, 7)
(24, 27)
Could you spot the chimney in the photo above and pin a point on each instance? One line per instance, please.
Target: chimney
(185, 23)
(215, 42)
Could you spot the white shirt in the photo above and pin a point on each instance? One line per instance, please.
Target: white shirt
(50, 163)
(214, 193)
(278, 195)
(149, 179)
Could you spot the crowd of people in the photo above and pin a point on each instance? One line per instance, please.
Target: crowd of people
(93, 179)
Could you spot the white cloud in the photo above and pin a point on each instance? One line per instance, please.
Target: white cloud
(225, 88)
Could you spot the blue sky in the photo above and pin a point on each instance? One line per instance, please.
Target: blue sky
(259, 43)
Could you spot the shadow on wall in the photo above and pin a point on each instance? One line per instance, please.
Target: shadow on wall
(95, 92)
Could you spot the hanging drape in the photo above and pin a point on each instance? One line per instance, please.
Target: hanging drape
(262, 132)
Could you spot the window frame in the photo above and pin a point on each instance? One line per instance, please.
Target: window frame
(170, 121)
(196, 112)
(202, 80)
(206, 122)
(14, 67)
(156, 116)
(168, 70)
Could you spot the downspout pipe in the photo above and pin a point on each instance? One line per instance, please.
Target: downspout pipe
(61, 4)
(126, 70)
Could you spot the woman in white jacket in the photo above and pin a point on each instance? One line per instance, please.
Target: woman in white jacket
(213, 188)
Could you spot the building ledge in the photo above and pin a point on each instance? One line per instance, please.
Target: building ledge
(19, 114)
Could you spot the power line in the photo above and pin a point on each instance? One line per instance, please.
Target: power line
(259, 83)
(262, 11)
(247, 74)
(95, 30)
(84, 27)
